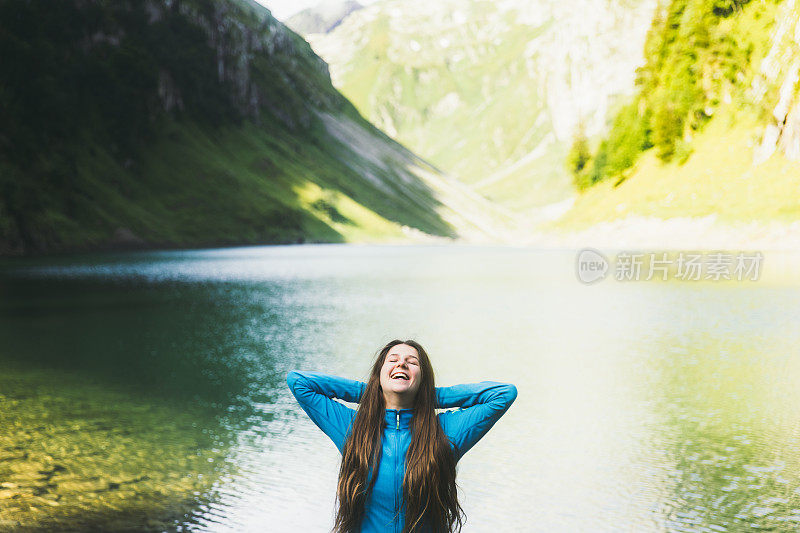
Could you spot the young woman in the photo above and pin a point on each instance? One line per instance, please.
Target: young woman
(398, 471)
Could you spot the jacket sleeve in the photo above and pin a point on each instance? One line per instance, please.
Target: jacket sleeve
(315, 392)
(481, 405)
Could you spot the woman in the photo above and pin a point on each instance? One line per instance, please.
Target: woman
(397, 433)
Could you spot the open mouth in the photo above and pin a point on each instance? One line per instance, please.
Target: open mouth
(400, 375)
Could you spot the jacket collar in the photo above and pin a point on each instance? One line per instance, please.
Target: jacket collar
(401, 417)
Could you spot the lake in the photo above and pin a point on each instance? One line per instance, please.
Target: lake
(146, 390)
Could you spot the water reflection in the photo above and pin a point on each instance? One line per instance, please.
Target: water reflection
(76, 455)
(642, 406)
(730, 425)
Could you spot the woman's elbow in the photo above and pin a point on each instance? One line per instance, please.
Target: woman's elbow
(292, 377)
(504, 396)
(510, 393)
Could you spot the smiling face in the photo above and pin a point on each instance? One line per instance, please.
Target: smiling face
(401, 374)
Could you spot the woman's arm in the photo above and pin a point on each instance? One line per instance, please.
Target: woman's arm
(315, 392)
(482, 404)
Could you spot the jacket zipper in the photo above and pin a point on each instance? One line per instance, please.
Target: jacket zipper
(396, 460)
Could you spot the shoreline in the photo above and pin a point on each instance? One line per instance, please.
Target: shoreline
(678, 233)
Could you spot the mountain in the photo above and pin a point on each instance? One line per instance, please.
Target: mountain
(491, 92)
(193, 123)
(322, 18)
(713, 129)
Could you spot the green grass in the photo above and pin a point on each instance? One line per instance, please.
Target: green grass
(535, 183)
(718, 178)
(197, 186)
(705, 167)
(351, 220)
(496, 121)
(142, 134)
(700, 54)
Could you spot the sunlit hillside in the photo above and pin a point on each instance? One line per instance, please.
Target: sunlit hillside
(491, 92)
(714, 130)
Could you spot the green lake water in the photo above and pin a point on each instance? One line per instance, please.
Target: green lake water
(146, 391)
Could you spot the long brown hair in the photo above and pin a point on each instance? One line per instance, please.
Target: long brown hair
(429, 485)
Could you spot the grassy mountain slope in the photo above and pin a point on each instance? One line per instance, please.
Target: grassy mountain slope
(715, 128)
(489, 91)
(718, 179)
(190, 123)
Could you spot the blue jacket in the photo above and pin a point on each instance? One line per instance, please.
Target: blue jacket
(481, 405)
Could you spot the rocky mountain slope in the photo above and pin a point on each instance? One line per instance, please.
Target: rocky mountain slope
(713, 130)
(192, 122)
(322, 18)
(491, 92)
(776, 89)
